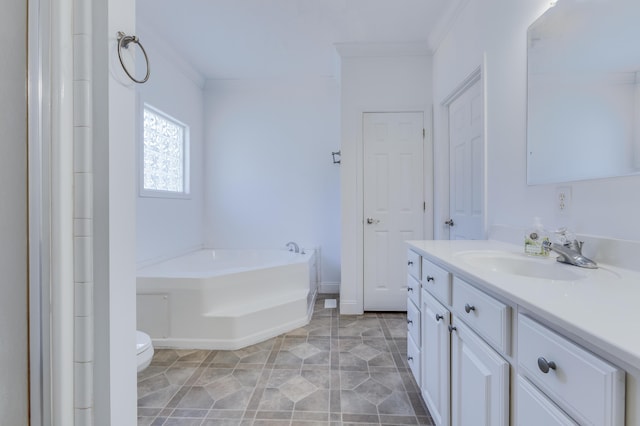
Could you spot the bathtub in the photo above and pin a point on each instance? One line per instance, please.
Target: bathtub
(225, 299)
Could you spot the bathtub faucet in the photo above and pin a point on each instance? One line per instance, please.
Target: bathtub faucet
(293, 247)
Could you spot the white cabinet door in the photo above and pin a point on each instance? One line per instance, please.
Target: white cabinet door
(479, 380)
(436, 358)
(535, 409)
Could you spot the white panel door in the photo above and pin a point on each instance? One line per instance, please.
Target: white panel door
(466, 185)
(393, 204)
(479, 381)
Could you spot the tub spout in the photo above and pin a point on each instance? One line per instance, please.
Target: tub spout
(293, 247)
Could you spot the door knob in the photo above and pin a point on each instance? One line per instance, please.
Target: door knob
(449, 222)
(371, 220)
(545, 365)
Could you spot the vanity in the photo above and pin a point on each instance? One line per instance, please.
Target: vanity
(496, 337)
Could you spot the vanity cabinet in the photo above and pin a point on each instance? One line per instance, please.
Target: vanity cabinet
(414, 319)
(464, 379)
(485, 360)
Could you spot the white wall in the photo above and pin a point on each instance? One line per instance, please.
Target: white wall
(371, 84)
(171, 226)
(494, 31)
(13, 216)
(269, 175)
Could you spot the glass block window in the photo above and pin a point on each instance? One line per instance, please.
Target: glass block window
(165, 154)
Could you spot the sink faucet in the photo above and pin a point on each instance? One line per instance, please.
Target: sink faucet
(571, 252)
(293, 247)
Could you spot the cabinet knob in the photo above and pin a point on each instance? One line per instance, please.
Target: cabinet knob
(429, 278)
(452, 328)
(439, 317)
(410, 263)
(449, 222)
(409, 321)
(468, 308)
(545, 365)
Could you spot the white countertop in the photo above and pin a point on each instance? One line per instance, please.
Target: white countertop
(603, 307)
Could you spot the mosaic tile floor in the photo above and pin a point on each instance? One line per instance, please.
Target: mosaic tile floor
(337, 370)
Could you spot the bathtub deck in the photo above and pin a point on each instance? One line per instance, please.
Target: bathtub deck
(186, 303)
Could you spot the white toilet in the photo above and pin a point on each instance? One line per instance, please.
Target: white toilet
(144, 350)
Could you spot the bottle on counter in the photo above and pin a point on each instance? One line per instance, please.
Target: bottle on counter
(535, 238)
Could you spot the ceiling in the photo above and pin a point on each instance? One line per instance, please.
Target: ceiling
(282, 38)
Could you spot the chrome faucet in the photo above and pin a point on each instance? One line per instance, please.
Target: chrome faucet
(571, 252)
(293, 247)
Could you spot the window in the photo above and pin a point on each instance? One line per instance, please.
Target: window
(165, 155)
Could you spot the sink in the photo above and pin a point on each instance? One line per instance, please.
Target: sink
(523, 265)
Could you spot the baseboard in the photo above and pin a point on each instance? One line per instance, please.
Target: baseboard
(329, 288)
(350, 307)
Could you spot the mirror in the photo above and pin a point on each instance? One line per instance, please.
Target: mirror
(583, 91)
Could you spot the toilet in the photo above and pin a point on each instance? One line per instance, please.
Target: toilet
(144, 350)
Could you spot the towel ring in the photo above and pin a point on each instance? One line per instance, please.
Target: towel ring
(124, 41)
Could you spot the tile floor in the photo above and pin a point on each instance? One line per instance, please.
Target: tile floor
(337, 370)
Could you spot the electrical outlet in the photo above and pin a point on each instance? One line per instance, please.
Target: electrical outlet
(563, 200)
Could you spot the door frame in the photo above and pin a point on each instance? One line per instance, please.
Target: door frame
(478, 74)
(359, 168)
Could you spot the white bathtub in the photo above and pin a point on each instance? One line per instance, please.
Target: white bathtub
(225, 299)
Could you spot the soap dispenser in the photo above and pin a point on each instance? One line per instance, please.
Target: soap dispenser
(534, 239)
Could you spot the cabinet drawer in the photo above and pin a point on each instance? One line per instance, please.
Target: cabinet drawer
(436, 281)
(535, 409)
(413, 359)
(590, 389)
(413, 289)
(413, 322)
(487, 316)
(413, 264)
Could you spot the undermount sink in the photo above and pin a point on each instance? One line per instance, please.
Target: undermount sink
(523, 265)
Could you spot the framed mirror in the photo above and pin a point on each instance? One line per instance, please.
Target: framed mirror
(583, 91)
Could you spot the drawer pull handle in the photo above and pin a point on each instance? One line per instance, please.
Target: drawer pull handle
(452, 328)
(409, 288)
(468, 308)
(545, 365)
(430, 278)
(410, 263)
(410, 358)
(409, 322)
(439, 317)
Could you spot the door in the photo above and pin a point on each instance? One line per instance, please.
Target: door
(479, 381)
(466, 181)
(393, 204)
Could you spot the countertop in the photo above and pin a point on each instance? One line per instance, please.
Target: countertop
(602, 307)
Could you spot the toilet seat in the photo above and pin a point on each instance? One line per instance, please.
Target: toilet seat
(144, 350)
